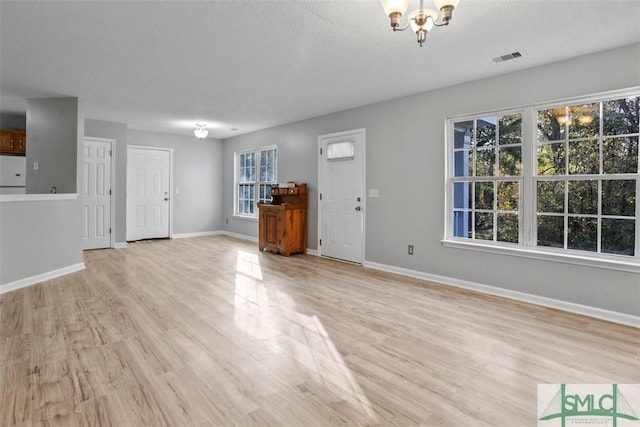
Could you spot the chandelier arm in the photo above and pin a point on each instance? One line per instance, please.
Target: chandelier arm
(443, 24)
(401, 29)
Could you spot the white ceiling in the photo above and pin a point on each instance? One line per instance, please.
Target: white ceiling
(165, 65)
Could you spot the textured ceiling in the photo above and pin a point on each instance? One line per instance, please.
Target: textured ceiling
(165, 65)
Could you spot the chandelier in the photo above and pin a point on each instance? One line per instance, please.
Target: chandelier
(421, 20)
(200, 132)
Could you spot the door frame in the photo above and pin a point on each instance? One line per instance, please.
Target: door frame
(112, 184)
(170, 151)
(361, 131)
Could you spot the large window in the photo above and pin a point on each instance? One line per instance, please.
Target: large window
(487, 154)
(566, 182)
(256, 171)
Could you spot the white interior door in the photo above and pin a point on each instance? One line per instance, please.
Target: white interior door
(148, 193)
(96, 194)
(342, 203)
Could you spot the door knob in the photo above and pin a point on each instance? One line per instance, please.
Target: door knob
(358, 208)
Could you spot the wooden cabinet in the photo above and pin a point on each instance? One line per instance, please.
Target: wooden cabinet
(282, 224)
(13, 142)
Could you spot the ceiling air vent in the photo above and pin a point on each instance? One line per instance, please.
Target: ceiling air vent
(507, 57)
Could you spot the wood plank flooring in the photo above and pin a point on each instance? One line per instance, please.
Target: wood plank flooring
(210, 332)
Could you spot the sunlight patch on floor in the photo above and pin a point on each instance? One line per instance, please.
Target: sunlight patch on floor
(268, 314)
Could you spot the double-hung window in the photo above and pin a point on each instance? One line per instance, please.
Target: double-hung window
(558, 179)
(487, 177)
(256, 171)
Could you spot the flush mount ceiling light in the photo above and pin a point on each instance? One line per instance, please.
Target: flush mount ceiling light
(200, 132)
(421, 20)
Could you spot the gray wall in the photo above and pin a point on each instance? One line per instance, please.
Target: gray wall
(39, 237)
(405, 161)
(197, 174)
(117, 131)
(55, 129)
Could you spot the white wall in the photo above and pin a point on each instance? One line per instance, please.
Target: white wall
(197, 168)
(405, 161)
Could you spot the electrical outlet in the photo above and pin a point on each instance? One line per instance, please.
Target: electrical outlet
(410, 250)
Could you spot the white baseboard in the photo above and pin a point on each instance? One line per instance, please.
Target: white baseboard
(313, 252)
(239, 236)
(120, 245)
(28, 281)
(198, 234)
(598, 313)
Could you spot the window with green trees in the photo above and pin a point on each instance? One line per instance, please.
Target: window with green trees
(568, 181)
(488, 177)
(586, 176)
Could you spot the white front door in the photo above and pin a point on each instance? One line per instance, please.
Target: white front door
(148, 193)
(96, 194)
(341, 188)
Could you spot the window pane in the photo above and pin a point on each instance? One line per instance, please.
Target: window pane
(462, 195)
(583, 197)
(551, 159)
(265, 192)
(263, 165)
(550, 196)
(508, 195)
(619, 197)
(552, 124)
(340, 150)
(621, 116)
(462, 224)
(618, 236)
(266, 166)
(486, 132)
(484, 195)
(583, 234)
(511, 129)
(620, 155)
(584, 157)
(585, 120)
(551, 231)
(485, 162)
(462, 134)
(508, 228)
(484, 226)
(463, 163)
(510, 161)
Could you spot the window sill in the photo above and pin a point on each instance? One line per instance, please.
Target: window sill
(245, 217)
(627, 264)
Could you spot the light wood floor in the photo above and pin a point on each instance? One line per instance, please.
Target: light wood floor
(210, 332)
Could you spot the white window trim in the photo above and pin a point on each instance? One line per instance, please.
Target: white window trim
(526, 248)
(236, 182)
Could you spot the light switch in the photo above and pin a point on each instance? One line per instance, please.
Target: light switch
(177, 191)
(374, 192)
(36, 166)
